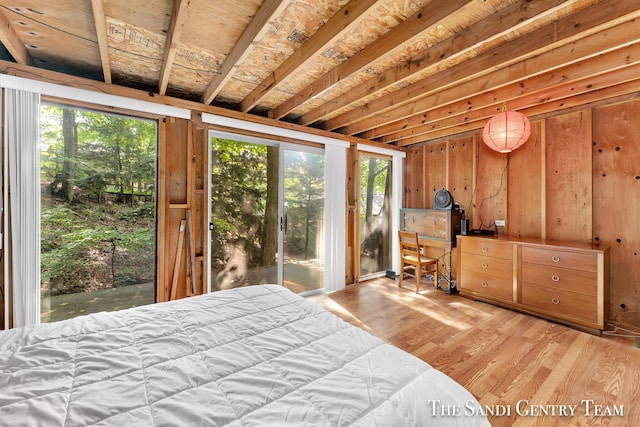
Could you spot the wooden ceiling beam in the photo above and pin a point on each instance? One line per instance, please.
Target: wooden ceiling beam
(411, 28)
(558, 60)
(257, 27)
(480, 34)
(534, 92)
(174, 34)
(626, 90)
(346, 18)
(414, 99)
(100, 21)
(11, 41)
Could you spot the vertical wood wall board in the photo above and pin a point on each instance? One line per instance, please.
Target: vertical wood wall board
(172, 151)
(162, 210)
(435, 167)
(177, 140)
(352, 266)
(569, 191)
(414, 184)
(460, 180)
(616, 180)
(199, 204)
(524, 182)
(490, 198)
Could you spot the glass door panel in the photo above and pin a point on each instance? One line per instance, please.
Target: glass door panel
(244, 213)
(98, 225)
(375, 215)
(303, 221)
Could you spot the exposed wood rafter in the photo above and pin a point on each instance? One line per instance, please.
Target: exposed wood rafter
(394, 72)
(411, 28)
(97, 6)
(497, 25)
(411, 104)
(242, 48)
(12, 42)
(176, 25)
(347, 17)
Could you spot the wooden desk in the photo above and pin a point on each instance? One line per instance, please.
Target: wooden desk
(436, 229)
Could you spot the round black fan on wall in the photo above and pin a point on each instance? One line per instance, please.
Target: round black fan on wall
(443, 200)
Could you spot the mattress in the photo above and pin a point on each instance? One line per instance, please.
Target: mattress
(252, 356)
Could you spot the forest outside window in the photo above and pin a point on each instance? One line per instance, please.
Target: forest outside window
(267, 214)
(98, 193)
(376, 207)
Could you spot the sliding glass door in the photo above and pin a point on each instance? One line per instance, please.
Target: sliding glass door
(267, 210)
(375, 214)
(303, 221)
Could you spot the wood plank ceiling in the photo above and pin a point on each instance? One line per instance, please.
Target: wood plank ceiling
(400, 72)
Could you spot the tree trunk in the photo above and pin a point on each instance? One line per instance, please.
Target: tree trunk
(386, 214)
(70, 136)
(118, 156)
(371, 177)
(270, 226)
(308, 222)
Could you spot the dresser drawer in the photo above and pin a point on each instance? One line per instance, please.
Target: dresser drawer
(488, 247)
(487, 284)
(487, 265)
(564, 303)
(558, 258)
(584, 282)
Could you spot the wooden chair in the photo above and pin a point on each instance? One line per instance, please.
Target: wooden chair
(410, 255)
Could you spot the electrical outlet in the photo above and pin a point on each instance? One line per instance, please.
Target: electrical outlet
(500, 222)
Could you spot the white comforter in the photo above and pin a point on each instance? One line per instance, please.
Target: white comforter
(252, 356)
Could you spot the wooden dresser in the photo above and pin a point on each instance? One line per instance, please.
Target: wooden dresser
(560, 281)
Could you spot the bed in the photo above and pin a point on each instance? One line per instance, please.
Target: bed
(252, 356)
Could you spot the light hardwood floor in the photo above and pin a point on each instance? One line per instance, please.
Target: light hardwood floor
(509, 361)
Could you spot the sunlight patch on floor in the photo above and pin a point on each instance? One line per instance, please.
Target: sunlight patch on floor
(333, 306)
(421, 303)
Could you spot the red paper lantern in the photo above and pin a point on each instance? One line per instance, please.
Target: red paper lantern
(506, 131)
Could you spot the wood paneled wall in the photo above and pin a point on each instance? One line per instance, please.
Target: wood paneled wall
(182, 183)
(616, 212)
(576, 179)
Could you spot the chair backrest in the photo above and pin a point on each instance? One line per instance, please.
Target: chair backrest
(409, 244)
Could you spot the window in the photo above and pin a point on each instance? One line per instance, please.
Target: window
(267, 214)
(98, 193)
(375, 214)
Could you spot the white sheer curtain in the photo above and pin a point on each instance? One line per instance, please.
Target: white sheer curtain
(335, 224)
(22, 136)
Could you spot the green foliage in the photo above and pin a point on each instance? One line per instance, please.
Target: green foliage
(373, 185)
(88, 244)
(304, 195)
(114, 152)
(239, 193)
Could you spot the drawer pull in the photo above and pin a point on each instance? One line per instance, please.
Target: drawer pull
(484, 249)
(555, 258)
(484, 284)
(555, 278)
(555, 300)
(485, 265)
